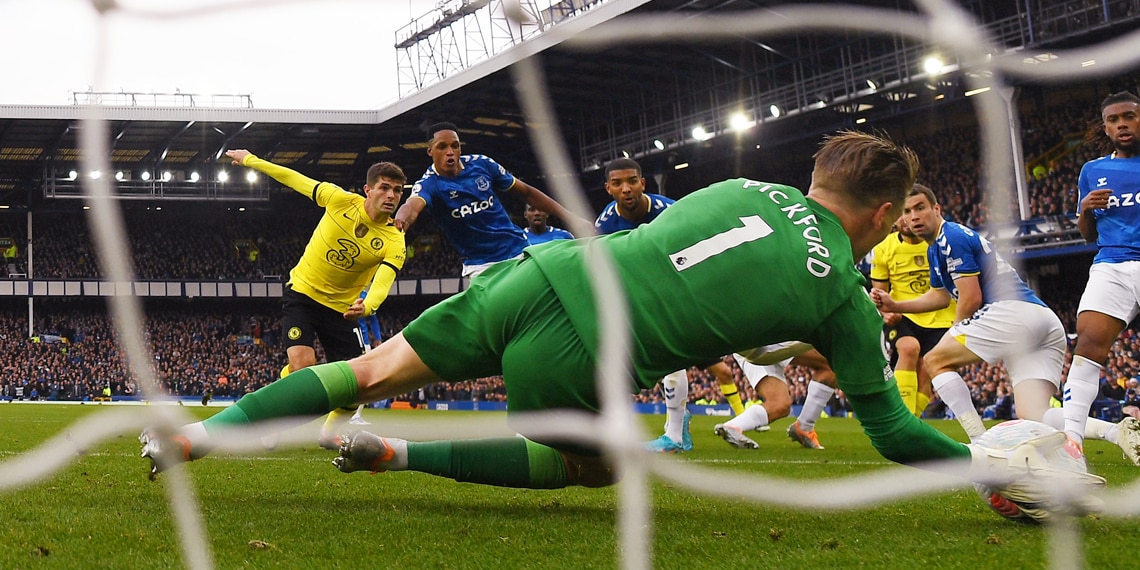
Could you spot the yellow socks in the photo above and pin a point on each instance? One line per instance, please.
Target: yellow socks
(732, 394)
(923, 401)
(908, 388)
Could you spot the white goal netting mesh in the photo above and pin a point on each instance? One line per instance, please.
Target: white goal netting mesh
(938, 23)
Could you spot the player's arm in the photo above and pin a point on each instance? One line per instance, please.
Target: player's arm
(539, 200)
(1086, 219)
(932, 300)
(889, 317)
(299, 182)
(407, 214)
(881, 275)
(969, 296)
(377, 292)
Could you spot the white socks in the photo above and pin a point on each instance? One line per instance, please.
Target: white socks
(818, 395)
(675, 388)
(752, 418)
(1094, 428)
(956, 394)
(1081, 389)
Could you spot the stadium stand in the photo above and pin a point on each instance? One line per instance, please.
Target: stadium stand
(211, 241)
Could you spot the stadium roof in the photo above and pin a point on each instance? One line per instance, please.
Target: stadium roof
(623, 98)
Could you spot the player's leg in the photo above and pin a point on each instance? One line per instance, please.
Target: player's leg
(299, 329)
(925, 390)
(773, 390)
(755, 416)
(818, 395)
(1036, 361)
(943, 363)
(342, 340)
(1045, 359)
(1031, 398)
(392, 369)
(676, 439)
(727, 383)
(301, 396)
(777, 400)
(527, 462)
(1124, 434)
(1107, 305)
(502, 462)
(927, 340)
(1096, 332)
(1048, 362)
(906, 371)
(451, 331)
(371, 337)
(820, 390)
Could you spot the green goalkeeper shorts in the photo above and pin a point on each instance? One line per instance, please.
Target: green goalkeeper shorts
(509, 322)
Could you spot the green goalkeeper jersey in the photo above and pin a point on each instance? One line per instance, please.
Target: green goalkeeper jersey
(737, 265)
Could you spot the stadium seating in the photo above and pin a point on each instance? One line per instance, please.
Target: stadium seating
(196, 346)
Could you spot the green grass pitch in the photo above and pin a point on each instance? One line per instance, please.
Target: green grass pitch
(291, 509)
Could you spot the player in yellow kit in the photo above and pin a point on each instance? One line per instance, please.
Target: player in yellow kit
(354, 246)
(898, 265)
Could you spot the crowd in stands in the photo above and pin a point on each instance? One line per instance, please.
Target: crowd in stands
(197, 347)
(75, 356)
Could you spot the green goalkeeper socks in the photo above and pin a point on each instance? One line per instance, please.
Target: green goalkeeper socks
(503, 462)
(897, 434)
(311, 392)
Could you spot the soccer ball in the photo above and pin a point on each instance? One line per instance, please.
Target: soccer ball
(1007, 436)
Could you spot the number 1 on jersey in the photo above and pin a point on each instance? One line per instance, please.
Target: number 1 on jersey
(754, 228)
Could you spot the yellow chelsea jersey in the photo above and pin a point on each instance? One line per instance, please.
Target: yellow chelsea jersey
(347, 247)
(345, 251)
(905, 266)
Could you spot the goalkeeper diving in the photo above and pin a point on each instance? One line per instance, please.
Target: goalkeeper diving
(698, 283)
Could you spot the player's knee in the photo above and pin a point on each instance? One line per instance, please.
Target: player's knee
(825, 376)
(936, 362)
(301, 362)
(777, 404)
(907, 346)
(1093, 347)
(778, 410)
(1095, 334)
(588, 471)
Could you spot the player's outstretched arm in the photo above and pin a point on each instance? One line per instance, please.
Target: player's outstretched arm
(407, 214)
(238, 155)
(289, 177)
(932, 300)
(539, 200)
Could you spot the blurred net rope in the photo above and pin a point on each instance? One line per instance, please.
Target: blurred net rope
(938, 23)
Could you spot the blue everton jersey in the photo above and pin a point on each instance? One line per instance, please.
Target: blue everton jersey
(551, 234)
(961, 252)
(1118, 225)
(610, 221)
(469, 212)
